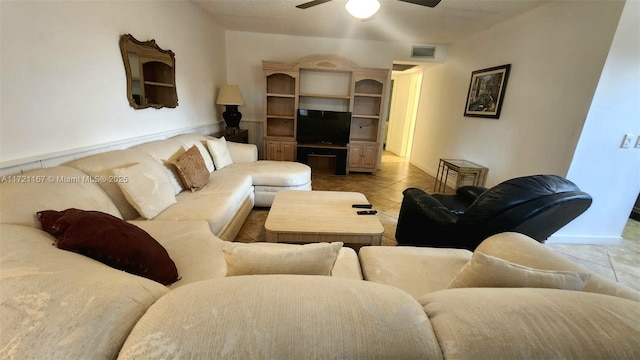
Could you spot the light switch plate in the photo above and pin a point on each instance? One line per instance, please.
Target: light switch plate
(626, 141)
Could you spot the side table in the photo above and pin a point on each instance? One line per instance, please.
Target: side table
(465, 172)
(235, 135)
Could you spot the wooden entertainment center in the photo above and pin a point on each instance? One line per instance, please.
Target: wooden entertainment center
(324, 82)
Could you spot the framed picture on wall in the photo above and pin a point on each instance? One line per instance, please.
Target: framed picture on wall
(486, 92)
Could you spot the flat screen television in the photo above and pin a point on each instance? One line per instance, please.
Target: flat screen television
(323, 127)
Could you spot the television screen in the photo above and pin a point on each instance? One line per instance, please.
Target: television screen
(323, 127)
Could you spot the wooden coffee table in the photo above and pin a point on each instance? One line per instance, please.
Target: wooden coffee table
(321, 216)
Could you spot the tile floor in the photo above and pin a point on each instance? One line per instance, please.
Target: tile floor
(384, 190)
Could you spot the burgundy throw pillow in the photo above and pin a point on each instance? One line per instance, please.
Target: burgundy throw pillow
(110, 240)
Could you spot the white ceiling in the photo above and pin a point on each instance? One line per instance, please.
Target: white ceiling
(448, 22)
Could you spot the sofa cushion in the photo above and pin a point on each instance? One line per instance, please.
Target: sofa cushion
(147, 189)
(530, 323)
(266, 194)
(521, 249)
(111, 241)
(56, 188)
(199, 141)
(415, 270)
(219, 152)
(192, 169)
(488, 271)
(253, 259)
(62, 305)
(102, 165)
(217, 203)
(283, 317)
(269, 177)
(165, 152)
(196, 252)
(279, 173)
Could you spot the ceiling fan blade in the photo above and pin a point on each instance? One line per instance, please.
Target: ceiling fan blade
(429, 3)
(311, 3)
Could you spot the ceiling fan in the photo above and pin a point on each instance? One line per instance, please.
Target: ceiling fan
(428, 3)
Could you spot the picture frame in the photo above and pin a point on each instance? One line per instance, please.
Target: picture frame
(486, 92)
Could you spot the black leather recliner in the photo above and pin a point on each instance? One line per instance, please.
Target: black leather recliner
(536, 206)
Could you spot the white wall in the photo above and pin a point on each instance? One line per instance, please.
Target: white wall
(63, 80)
(609, 173)
(557, 52)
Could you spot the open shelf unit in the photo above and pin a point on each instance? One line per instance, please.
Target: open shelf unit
(280, 104)
(367, 105)
(324, 82)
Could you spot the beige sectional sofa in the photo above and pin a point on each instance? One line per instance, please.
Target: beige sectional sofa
(58, 304)
(507, 300)
(231, 192)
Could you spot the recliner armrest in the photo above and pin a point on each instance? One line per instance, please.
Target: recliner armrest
(423, 220)
(427, 206)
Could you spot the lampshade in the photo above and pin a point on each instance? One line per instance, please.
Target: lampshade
(230, 95)
(362, 9)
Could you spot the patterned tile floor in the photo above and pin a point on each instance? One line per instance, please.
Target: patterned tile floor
(384, 190)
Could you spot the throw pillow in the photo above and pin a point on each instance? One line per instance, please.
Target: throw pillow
(147, 190)
(110, 240)
(220, 152)
(488, 271)
(253, 259)
(192, 169)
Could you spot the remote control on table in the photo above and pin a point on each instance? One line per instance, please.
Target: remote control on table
(367, 212)
(362, 206)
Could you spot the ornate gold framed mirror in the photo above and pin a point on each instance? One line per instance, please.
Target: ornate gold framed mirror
(151, 74)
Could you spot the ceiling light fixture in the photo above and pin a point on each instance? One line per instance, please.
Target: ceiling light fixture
(362, 9)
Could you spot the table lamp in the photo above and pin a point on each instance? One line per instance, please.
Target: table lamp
(231, 97)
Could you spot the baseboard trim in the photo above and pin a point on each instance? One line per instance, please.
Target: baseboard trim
(424, 168)
(451, 181)
(584, 240)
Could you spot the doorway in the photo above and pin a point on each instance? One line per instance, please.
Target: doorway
(403, 108)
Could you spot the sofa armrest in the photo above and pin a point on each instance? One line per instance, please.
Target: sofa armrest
(347, 265)
(242, 153)
(524, 250)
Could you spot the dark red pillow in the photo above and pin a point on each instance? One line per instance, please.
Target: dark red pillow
(110, 240)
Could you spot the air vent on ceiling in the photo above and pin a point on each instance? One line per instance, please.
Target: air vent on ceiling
(423, 52)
